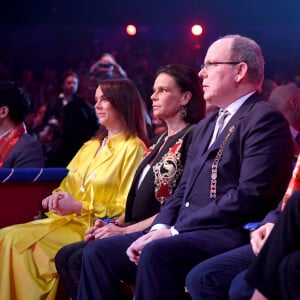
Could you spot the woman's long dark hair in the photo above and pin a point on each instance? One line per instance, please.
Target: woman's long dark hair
(127, 101)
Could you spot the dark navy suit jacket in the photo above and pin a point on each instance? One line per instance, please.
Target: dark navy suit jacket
(253, 174)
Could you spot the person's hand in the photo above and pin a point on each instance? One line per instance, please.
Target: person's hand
(51, 202)
(62, 203)
(89, 233)
(259, 236)
(108, 230)
(135, 249)
(257, 295)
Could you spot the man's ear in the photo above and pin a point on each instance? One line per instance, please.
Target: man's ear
(294, 105)
(241, 71)
(4, 110)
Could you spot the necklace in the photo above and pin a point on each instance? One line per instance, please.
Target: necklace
(104, 141)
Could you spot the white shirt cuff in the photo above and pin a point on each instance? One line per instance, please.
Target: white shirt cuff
(160, 226)
(174, 231)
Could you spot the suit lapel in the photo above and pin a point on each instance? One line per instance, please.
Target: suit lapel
(205, 133)
(208, 129)
(235, 120)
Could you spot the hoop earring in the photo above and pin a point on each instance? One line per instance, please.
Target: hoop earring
(183, 112)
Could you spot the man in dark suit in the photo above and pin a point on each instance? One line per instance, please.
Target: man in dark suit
(237, 169)
(17, 148)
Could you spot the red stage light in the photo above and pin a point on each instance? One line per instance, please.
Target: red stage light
(131, 29)
(197, 29)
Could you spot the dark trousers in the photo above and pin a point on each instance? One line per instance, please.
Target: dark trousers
(162, 267)
(240, 288)
(104, 265)
(68, 264)
(289, 274)
(211, 279)
(276, 269)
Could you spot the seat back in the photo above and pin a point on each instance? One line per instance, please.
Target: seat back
(22, 189)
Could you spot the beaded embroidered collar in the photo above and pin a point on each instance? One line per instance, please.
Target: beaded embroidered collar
(168, 170)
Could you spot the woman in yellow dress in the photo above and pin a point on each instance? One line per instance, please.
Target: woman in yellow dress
(96, 186)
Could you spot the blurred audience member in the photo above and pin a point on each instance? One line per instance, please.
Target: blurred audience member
(79, 122)
(17, 148)
(48, 86)
(267, 87)
(142, 75)
(296, 80)
(286, 98)
(34, 120)
(50, 138)
(30, 87)
(68, 93)
(5, 72)
(107, 68)
(281, 78)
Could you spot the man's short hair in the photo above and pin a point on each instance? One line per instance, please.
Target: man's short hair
(247, 50)
(15, 98)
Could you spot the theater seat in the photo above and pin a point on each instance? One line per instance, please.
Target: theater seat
(22, 189)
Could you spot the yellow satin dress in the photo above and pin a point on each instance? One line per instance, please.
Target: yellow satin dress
(101, 183)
